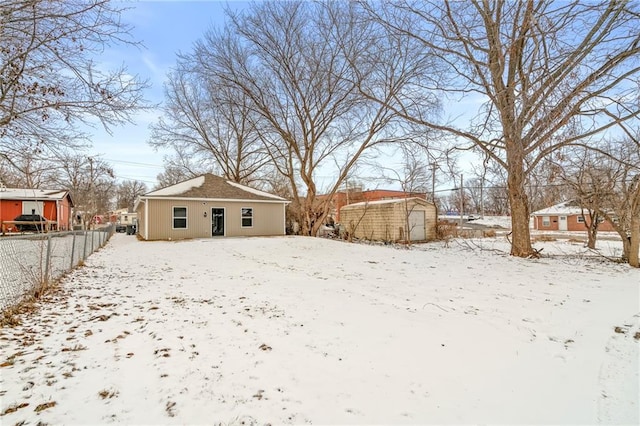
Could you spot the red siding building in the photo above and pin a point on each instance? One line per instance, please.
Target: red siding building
(53, 205)
(567, 216)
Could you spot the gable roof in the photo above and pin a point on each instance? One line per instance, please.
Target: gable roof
(566, 208)
(25, 194)
(209, 186)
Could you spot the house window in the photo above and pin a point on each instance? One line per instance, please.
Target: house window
(247, 217)
(580, 219)
(179, 218)
(546, 221)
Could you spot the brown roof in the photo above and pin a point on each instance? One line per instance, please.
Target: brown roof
(211, 186)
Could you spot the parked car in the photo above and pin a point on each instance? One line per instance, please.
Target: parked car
(38, 223)
(120, 227)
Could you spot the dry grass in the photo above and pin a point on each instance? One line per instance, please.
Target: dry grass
(13, 408)
(108, 393)
(45, 406)
(11, 316)
(576, 240)
(76, 348)
(545, 238)
(170, 408)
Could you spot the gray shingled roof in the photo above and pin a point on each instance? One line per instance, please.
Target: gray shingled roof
(211, 186)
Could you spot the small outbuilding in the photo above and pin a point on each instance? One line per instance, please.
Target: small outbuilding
(409, 219)
(209, 206)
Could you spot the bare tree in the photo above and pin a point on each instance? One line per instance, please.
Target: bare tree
(547, 73)
(209, 121)
(412, 177)
(607, 181)
(301, 65)
(128, 191)
(48, 79)
(28, 170)
(590, 187)
(91, 182)
(180, 167)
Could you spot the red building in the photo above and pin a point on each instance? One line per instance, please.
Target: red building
(567, 216)
(53, 205)
(343, 198)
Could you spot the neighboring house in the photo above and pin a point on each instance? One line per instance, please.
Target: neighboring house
(357, 195)
(124, 217)
(565, 216)
(390, 220)
(209, 206)
(54, 205)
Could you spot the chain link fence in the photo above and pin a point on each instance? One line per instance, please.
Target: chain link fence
(27, 262)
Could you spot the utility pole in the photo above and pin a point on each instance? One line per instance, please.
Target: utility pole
(433, 182)
(482, 197)
(461, 199)
(346, 186)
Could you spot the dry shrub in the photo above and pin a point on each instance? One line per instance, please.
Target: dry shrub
(489, 233)
(446, 230)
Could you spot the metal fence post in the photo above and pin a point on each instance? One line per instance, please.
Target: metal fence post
(45, 278)
(73, 249)
(84, 254)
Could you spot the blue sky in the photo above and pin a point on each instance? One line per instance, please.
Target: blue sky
(165, 28)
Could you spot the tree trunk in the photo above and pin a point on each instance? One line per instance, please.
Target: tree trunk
(592, 232)
(634, 242)
(519, 202)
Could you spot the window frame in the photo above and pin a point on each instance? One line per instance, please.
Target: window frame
(546, 221)
(174, 217)
(243, 217)
(581, 219)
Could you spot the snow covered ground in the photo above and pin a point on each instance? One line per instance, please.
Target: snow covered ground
(302, 330)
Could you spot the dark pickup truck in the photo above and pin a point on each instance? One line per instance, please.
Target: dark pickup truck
(31, 222)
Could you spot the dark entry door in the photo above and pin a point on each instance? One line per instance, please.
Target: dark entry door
(217, 222)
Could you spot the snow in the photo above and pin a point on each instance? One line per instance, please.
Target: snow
(494, 221)
(179, 188)
(565, 208)
(31, 194)
(307, 330)
(380, 202)
(254, 191)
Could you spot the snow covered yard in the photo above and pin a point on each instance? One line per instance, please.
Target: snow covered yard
(301, 330)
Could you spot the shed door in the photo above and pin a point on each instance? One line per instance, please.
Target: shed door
(33, 207)
(416, 226)
(562, 223)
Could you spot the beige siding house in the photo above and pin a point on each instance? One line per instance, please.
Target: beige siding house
(209, 206)
(390, 220)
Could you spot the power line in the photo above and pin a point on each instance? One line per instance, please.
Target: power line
(155, 166)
